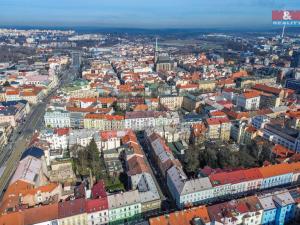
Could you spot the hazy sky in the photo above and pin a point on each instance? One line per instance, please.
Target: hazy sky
(142, 13)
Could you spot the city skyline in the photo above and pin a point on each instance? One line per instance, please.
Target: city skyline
(137, 14)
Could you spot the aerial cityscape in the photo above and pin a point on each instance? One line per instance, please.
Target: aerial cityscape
(150, 113)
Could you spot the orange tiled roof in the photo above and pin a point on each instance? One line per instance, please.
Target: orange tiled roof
(106, 100)
(140, 107)
(137, 165)
(41, 214)
(281, 151)
(242, 73)
(278, 169)
(199, 129)
(215, 121)
(153, 99)
(237, 115)
(217, 113)
(187, 86)
(14, 218)
(267, 89)
(16, 92)
(225, 81)
(21, 188)
(251, 129)
(101, 116)
(251, 94)
(29, 93)
(76, 109)
(293, 114)
(184, 217)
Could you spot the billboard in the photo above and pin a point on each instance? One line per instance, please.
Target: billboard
(286, 17)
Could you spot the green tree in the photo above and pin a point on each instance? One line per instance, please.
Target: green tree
(6, 84)
(192, 160)
(82, 162)
(94, 159)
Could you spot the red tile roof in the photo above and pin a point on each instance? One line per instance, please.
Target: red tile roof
(237, 115)
(187, 86)
(276, 170)
(281, 151)
(15, 218)
(199, 129)
(293, 114)
(71, 208)
(137, 165)
(250, 94)
(267, 89)
(140, 107)
(217, 114)
(184, 217)
(252, 174)
(61, 131)
(102, 116)
(98, 190)
(216, 121)
(242, 73)
(77, 109)
(41, 214)
(227, 178)
(94, 205)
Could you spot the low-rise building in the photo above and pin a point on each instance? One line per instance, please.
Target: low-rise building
(72, 212)
(248, 100)
(218, 128)
(276, 175)
(57, 118)
(246, 211)
(103, 122)
(141, 120)
(124, 207)
(287, 137)
(58, 138)
(97, 211)
(187, 192)
(196, 215)
(171, 102)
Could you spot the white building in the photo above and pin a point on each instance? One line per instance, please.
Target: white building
(188, 192)
(57, 138)
(248, 100)
(57, 118)
(81, 137)
(124, 206)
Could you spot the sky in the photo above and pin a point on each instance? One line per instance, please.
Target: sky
(142, 13)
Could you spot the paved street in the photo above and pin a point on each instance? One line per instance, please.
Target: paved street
(141, 139)
(13, 154)
(21, 137)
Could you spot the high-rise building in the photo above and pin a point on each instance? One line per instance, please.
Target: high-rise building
(76, 59)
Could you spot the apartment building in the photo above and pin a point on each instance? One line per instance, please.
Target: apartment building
(218, 128)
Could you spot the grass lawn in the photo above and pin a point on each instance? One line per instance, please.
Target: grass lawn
(113, 184)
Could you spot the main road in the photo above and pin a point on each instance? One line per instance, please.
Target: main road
(11, 154)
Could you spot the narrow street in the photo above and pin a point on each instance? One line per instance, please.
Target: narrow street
(161, 183)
